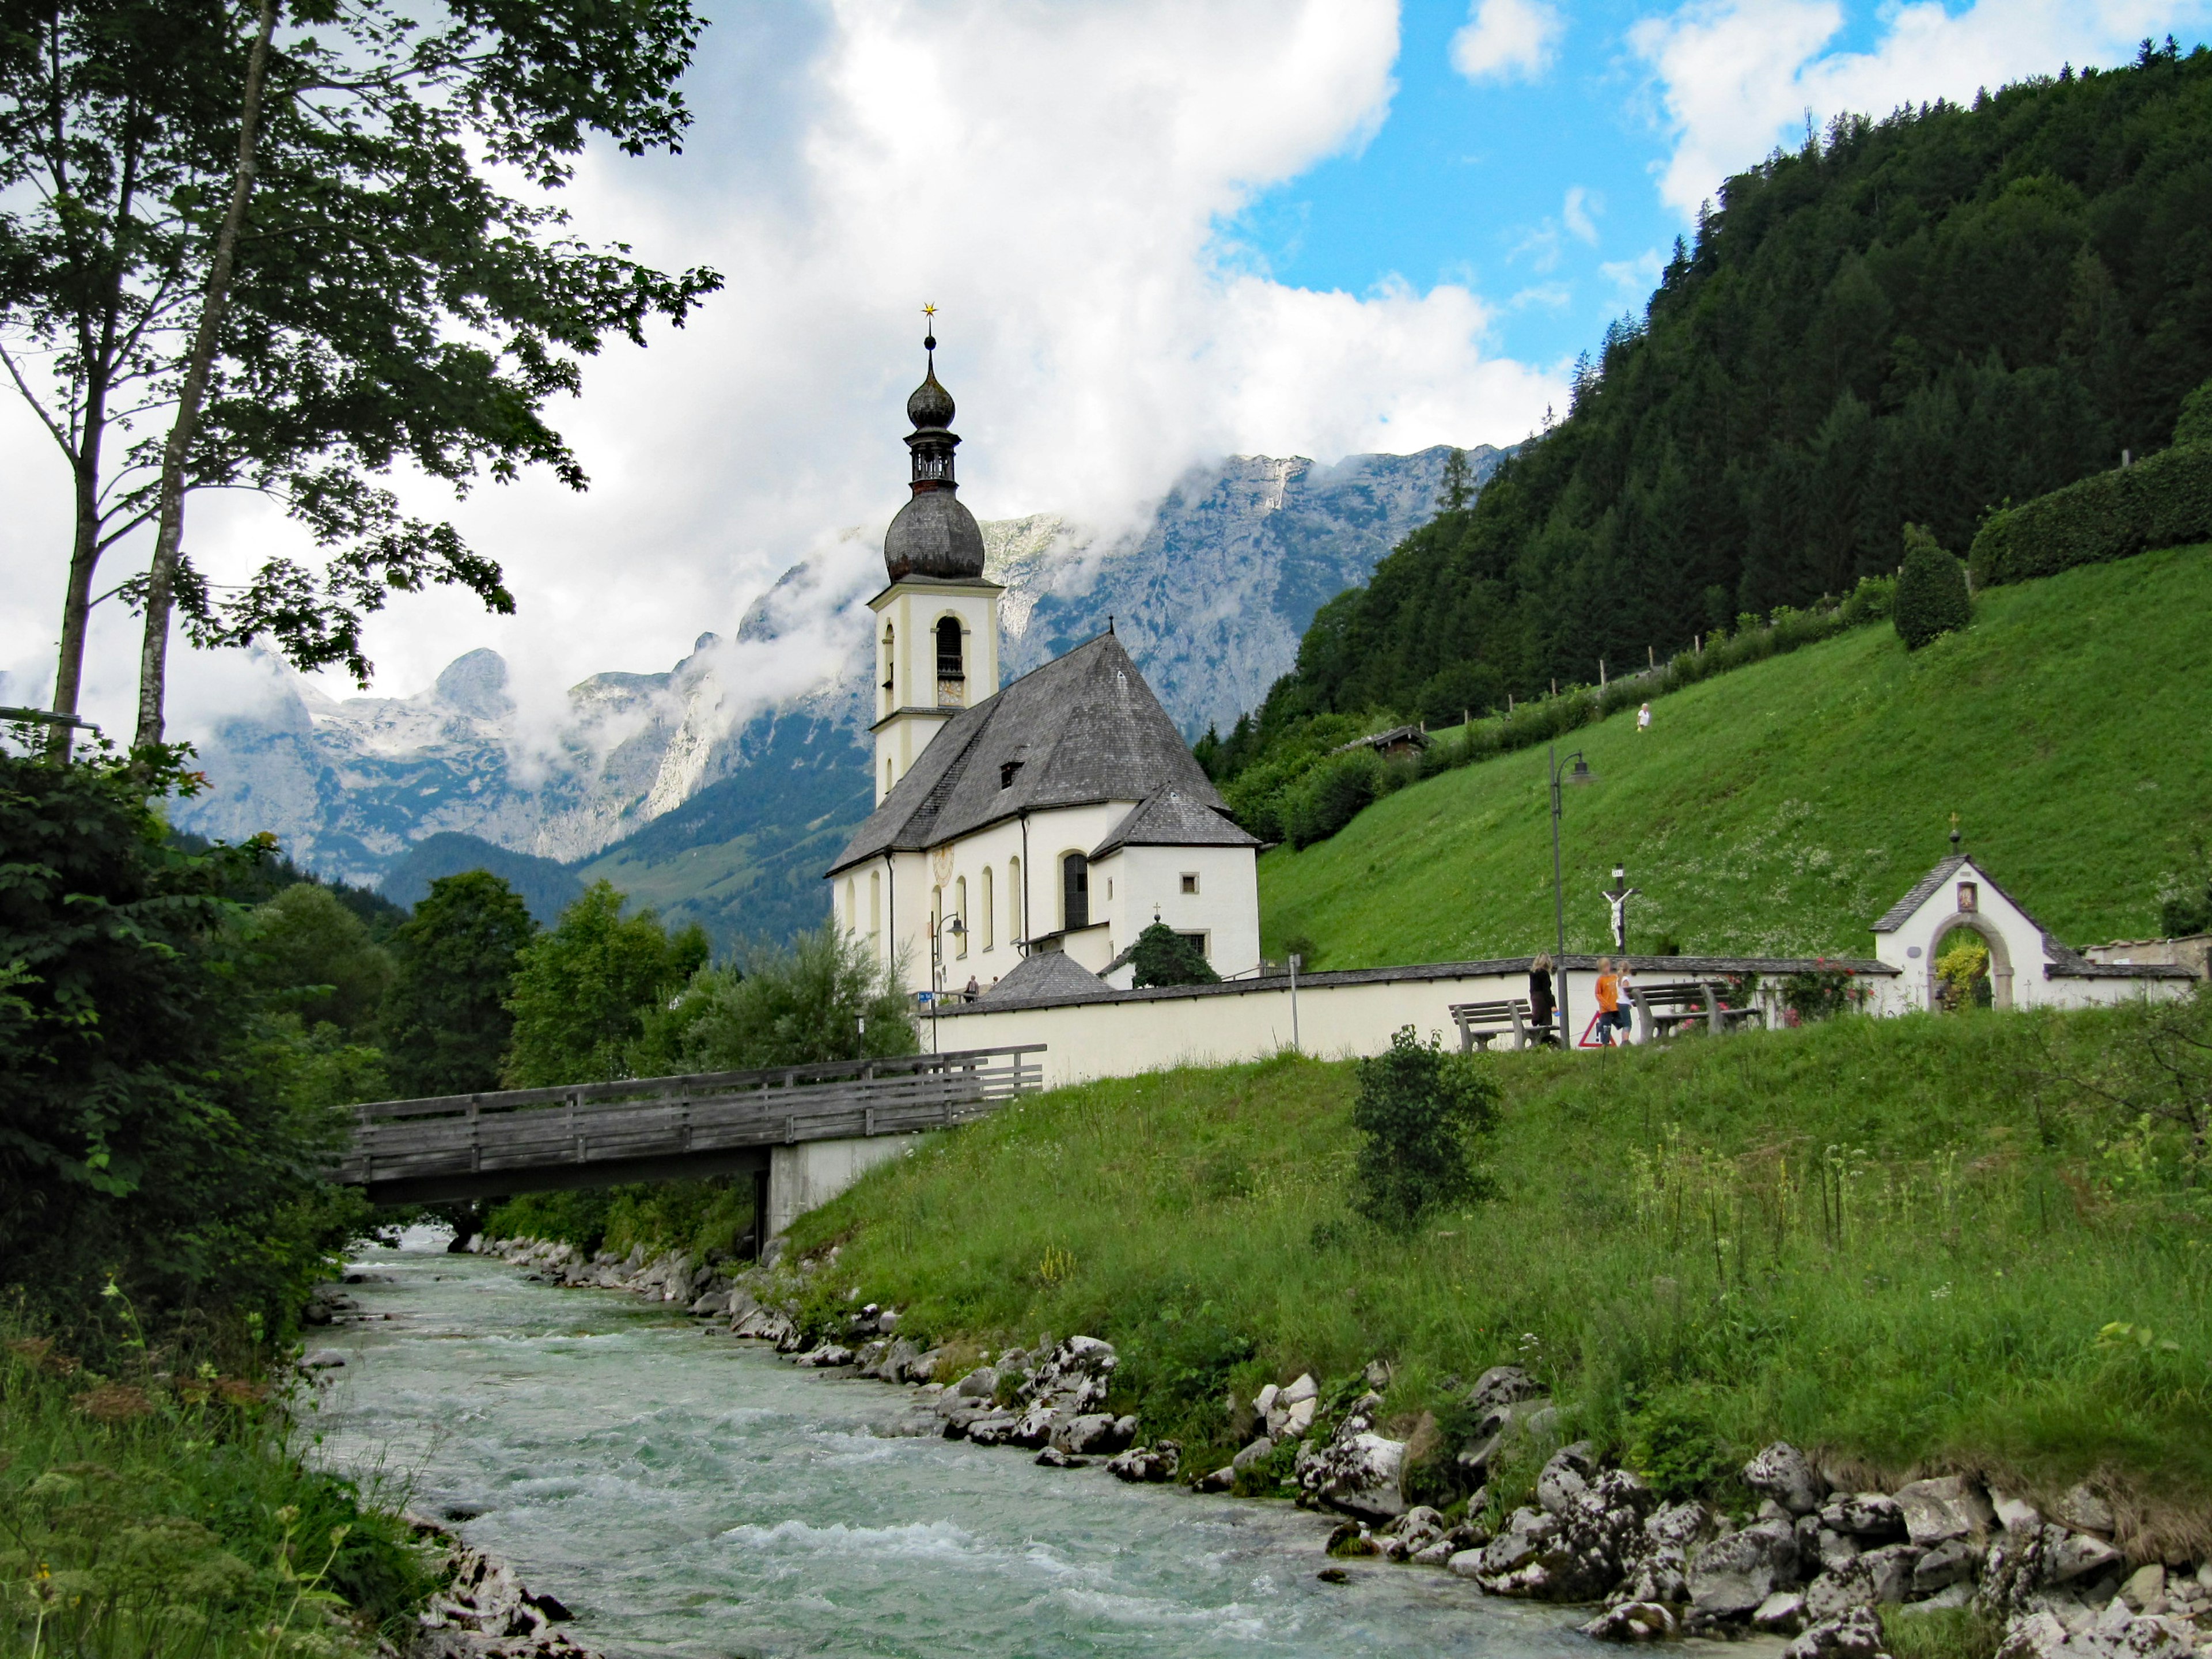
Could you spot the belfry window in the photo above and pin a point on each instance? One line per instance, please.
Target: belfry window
(951, 673)
(1075, 891)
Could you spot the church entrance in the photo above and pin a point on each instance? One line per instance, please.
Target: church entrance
(1964, 957)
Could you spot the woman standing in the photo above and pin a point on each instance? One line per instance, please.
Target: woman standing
(1540, 1005)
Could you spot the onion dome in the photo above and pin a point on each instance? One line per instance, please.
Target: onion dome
(935, 535)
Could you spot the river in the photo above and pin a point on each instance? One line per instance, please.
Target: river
(690, 1495)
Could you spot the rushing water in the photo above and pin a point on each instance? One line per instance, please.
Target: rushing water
(687, 1494)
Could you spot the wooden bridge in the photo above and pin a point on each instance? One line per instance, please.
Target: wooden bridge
(668, 1129)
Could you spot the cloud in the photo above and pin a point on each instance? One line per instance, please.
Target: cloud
(1575, 215)
(1056, 179)
(1503, 39)
(1738, 77)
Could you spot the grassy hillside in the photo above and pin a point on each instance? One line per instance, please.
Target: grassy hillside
(1785, 806)
(1898, 1240)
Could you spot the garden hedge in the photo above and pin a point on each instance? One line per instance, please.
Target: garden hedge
(2165, 500)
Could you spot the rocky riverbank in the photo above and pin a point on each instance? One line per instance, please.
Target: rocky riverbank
(2067, 1574)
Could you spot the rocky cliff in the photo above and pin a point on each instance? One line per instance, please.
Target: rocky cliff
(692, 794)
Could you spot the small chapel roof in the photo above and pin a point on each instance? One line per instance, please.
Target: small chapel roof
(1085, 728)
(1170, 817)
(1045, 976)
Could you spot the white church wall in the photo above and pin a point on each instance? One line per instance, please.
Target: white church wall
(1225, 909)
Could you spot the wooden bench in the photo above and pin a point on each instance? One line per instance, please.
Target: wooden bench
(1661, 1011)
(1481, 1023)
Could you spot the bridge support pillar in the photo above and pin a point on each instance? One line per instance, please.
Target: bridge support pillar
(803, 1177)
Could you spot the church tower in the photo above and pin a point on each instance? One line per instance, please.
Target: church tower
(937, 624)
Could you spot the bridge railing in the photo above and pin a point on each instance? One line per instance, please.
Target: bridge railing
(660, 1118)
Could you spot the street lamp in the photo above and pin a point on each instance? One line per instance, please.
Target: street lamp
(1581, 774)
(955, 926)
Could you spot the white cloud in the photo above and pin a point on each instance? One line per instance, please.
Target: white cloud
(1576, 214)
(1055, 178)
(1502, 39)
(1737, 76)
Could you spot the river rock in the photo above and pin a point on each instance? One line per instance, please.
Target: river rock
(1502, 1385)
(1356, 1470)
(1780, 1472)
(2080, 1555)
(1945, 1565)
(1094, 1432)
(713, 1304)
(1867, 1515)
(981, 1383)
(1052, 1458)
(1565, 1477)
(1075, 1375)
(1853, 1634)
(828, 1354)
(1731, 1576)
(1680, 1526)
(1147, 1463)
(2083, 1510)
(1527, 1533)
(2117, 1634)
(2145, 1586)
(1950, 1506)
(1258, 1452)
(1634, 1621)
(994, 1428)
(1782, 1614)
(1875, 1577)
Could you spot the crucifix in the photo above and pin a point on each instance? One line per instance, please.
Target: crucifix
(1616, 898)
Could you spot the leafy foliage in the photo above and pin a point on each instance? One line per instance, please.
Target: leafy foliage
(1161, 955)
(447, 1026)
(149, 1130)
(807, 1002)
(313, 955)
(1931, 591)
(1418, 1107)
(2163, 502)
(585, 990)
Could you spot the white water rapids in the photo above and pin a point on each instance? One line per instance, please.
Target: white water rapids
(686, 1494)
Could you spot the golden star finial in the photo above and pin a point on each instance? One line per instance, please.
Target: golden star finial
(929, 310)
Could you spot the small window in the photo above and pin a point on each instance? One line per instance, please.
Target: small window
(1007, 772)
(1201, 942)
(948, 648)
(1970, 896)
(1075, 891)
(1190, 881)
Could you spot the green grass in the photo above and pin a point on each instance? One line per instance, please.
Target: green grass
(1785, 805)
(176, 1519)
(1895, 1241)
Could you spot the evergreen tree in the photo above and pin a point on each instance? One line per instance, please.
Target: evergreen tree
(585, 990)
(1931, 591)
(1458, 487)
(446, 1026)
(1161, 955)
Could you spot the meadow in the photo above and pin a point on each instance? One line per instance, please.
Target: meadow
(1964, 1241)
(1781, 807)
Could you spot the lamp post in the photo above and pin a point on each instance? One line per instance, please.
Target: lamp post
(1581, 774)
(942, 926)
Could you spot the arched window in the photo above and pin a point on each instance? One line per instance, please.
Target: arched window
(1014, 900)
(890, 670)
(875, 903)
(951, 673)
(960, 910)
(887, 775)
(852, 907)
(1074, 891)
(986, 919)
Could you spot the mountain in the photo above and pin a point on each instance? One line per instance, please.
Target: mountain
(694, 795)
(547, 887)
(1911, 320)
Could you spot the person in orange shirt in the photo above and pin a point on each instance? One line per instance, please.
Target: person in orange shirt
(1609, 1014)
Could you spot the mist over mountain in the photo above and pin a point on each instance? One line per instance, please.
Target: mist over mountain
(717, 790)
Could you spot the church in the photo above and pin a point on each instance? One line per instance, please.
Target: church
(1048, 823)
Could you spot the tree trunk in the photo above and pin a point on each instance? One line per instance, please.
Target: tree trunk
(161, 575)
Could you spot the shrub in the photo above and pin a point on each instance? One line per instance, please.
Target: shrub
(2193, 429)
(1418, 1107)
(791, 1006)
(1931, 591)
(583, 991)
(1163, 957)
(2165, 500)
(1331, 796)
(1460, 688)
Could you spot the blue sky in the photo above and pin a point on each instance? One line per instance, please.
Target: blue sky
(1542, 191)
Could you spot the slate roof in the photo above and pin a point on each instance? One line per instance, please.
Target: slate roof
(1085, 728)
(1172, 817)
(1041, 977)
(2065, 961)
